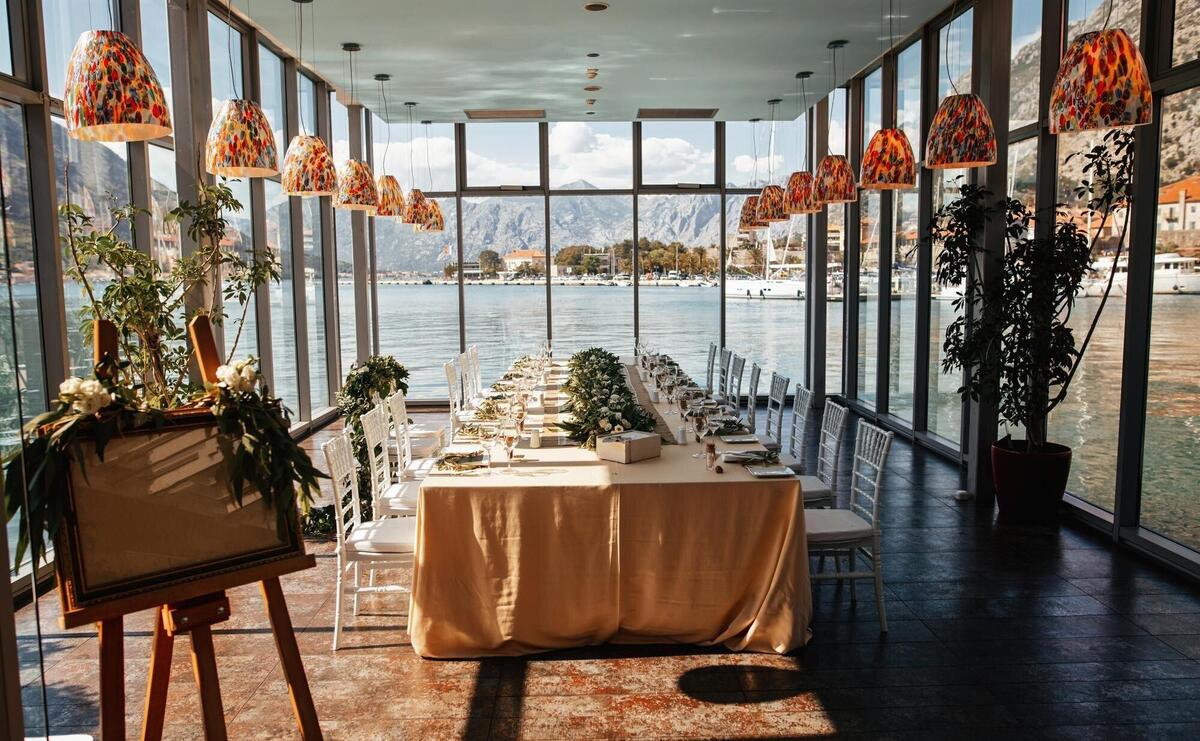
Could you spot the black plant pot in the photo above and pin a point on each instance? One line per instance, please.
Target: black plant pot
(1029, 484)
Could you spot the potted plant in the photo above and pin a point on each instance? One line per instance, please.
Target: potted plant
(1012, 338)
(140, 413)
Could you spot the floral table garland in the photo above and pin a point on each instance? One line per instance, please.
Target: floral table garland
(599, 400)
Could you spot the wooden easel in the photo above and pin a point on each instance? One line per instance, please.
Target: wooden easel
(192, 608)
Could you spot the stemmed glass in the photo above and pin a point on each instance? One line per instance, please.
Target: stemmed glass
(700, 427)
(487, 438)
(510, 434)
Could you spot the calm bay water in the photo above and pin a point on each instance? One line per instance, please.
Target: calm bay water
(419, 326)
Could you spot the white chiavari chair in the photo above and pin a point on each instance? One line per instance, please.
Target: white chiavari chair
(722, 372)
(476, 377)
(426, 439)
(801, 411)
(752, 398)
(390, 542)
(388, 496)
(732, 398)
(821, 490)
(712, 359)
(776, 399)
(856, 530)
(458, 413)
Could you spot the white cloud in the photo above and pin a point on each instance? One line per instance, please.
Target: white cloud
(579, 152)
(675, 160)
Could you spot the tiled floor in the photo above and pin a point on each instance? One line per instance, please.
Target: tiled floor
(994, 634)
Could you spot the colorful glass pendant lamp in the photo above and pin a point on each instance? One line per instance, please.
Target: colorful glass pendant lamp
(112, 93)
(748, 221)
(414, 210)
(356, 184)
(888, 162)
(240, 142)
(798, 193)
(834, 180)
(962, 134)
(308, 168)
(1102, 83)
(434, 221)
(770, 200)
(391, 195)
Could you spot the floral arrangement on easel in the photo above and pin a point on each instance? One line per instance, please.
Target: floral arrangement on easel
(142, 313)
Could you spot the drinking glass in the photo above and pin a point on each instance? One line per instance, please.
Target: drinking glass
(510, 435)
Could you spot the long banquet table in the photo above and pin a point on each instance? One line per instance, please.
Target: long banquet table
(569, 550)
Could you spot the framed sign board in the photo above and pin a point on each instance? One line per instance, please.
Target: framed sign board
(158, 514)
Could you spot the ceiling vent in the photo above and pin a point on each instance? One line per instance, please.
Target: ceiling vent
(685, 113)
(504, 114)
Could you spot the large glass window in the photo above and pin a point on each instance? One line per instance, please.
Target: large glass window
(6, 61)
(283, 318)
(835, 250)
(1171, 454)
(1022, 171)
(1026, 53)
(64, 21)
(591, 268)
(431, 167)
(765, 293)
(165, 242)
(1093, 15)
(776, 144)
(954, 75)
(502, 154)
(905, 238)
(417, 279)
(156, 44)
(678, 317)
(506, 318)
(1087, 420)
(870, 205)
(270, 70)
(344, 239)
(586, 156)
(314, 267)
(1187, 41)
(678, 152)
(22, 381)
(224, 61)
(95, 177)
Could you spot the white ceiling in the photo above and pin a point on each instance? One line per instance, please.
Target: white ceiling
(449, 55)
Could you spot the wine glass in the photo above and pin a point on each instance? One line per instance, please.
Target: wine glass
(700, 427)
(487, 439)
(510, 435)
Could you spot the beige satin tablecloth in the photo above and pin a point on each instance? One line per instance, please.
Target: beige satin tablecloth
(568, 550)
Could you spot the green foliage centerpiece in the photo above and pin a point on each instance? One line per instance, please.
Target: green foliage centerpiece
(599, 399)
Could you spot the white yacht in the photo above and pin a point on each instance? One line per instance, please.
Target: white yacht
(1173, 274)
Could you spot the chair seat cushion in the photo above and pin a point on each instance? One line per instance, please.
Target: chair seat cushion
(814, 488)
(391, 535)
(418, 469)
(835, 526)
(401, 497)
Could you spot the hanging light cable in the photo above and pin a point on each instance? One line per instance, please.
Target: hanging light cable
(308, 168)
(434, 221)
(240, 140)
(834, 178)
(391, 195)
(770, 200)
(748, 217)
(888, 162)
(356, 184)
(798, 195)
(961, 134)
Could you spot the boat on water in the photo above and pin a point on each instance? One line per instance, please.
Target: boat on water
(1173, 274)
(779, 279)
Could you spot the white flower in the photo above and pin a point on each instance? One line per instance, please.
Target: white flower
(606, 425)
(70, 386)
(228, 375)
(618, 429)
(90, 397)
(624, 421)
(249, 375)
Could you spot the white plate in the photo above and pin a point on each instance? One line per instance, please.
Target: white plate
(770, 472)
(739, 439)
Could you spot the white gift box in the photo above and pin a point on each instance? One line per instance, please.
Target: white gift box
(628, 447)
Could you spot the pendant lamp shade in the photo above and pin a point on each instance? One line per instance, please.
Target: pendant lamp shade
(798, 196)
(356, 188)
(308, 168)
(434, 221)
(835, 181)
(112, 93)
(961, 135)
(391, 197)
(770, 205)
(888, 163)
(748, 218)
(1102, 83)
(240, 142)
(414, 212)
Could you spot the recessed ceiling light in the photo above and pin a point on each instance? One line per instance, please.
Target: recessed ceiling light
(593, 54)
(591, 88)
(591, 113)
(595, 7)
